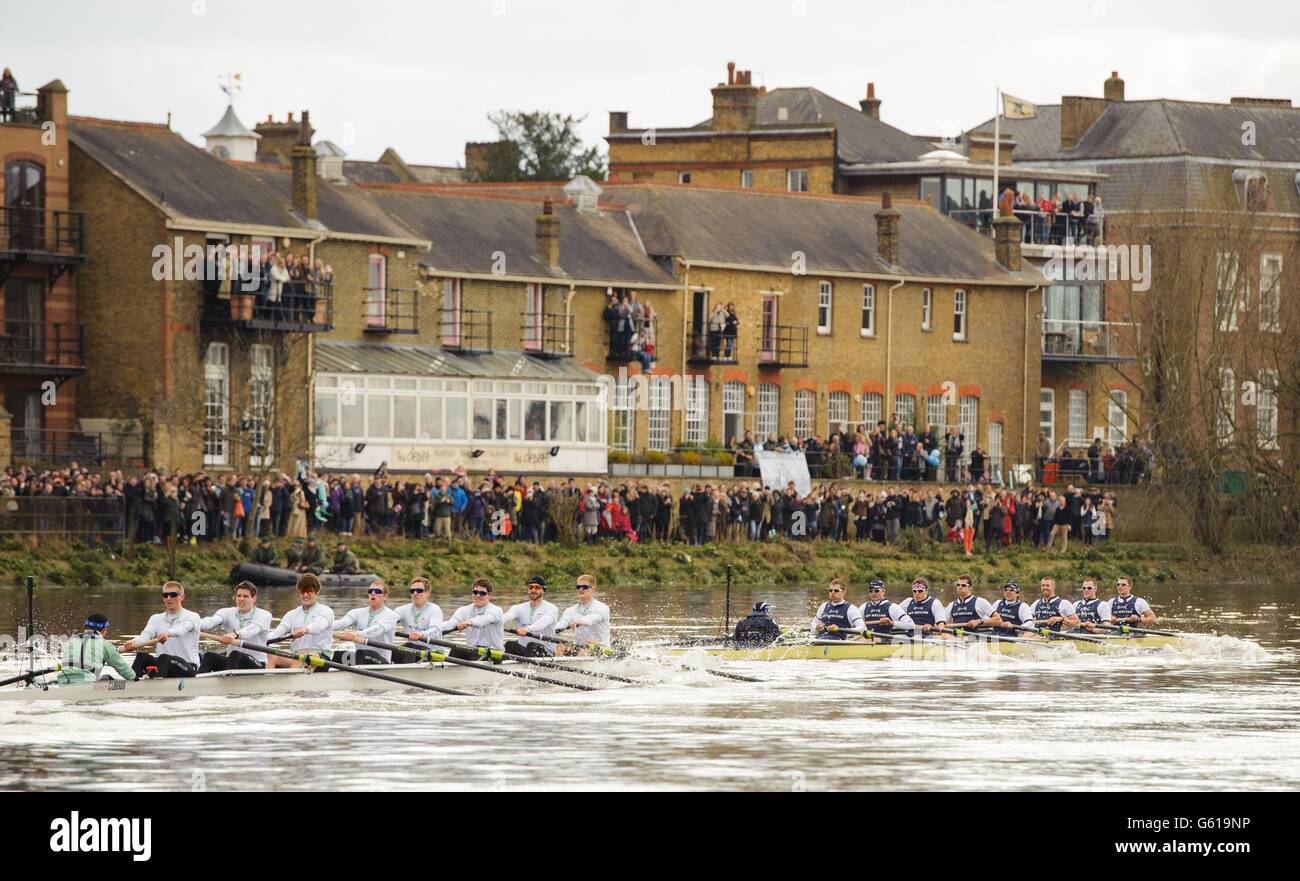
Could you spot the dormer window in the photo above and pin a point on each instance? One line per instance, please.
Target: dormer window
(1253, 192)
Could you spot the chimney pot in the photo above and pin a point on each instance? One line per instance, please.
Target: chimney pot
(731, 73)
(871, 104)
(1113, 88)
(871, 90)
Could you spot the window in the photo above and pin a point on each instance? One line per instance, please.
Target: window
(456, 421)
(1047, 414)
(824, 291)
(1227, 276)
(534, 420)
(1227, 405)
(533, 317)
(1117, 417)
(797, 180)
(683, 177)
(868, 310)
(837, 412)
(936, 412)
(805, 407)
(769, 404)
(994, 469)
(697, 409)
(747, 178)
(376, 290)
(1270, 293)
(261, 400)
(905, 411)
(661, 404)
(1078, 416)
(561, 421)
(770, 307)
(959, 315)
(451, 312)
(927, 308)
(379, 416)
(216, 403)
(873, 406)
(1267, 406)
(733, 411)
(623, 430)
(968, 417)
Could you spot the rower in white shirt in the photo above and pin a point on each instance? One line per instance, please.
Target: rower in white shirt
(242, 621)
(480, 622)
(588, 618)
(536, 617)
(1051, 611)
(177, 633)
(968, 611)
(1127, 609)
(372, 621)
(311, 625)
(1012, 612)
(881, 615)
(418, 618)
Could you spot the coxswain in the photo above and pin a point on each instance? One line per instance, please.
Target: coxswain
(879, 614)
(1090, 607)
(176, 631)
(925, 611)
(480, 621)
(536, 617)
(242, 621)
(836, 614)
(1012, 612)
(264, 554)
(418, 618)
(757, 628)
(1051, 611)
(969, 611)
(86, 656)
(588, 618)
(1127, 609)
(345, 562)
(372, 621)
(311, 625)
(312, 558)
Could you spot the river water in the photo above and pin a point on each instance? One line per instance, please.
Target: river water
(1224, 715)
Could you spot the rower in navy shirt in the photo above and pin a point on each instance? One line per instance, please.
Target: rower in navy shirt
(879, 614)
(835, 614)
(1089, 608)
(1126, 608)
(969, 611)
(1051, 611)
(1012, 613)
(925, 611)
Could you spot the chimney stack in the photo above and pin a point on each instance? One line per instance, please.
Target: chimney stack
(871, 104)
(1077, 116)
(887, 230)
(735, 102)
(1006, 242)
(1113, 88)
(617, 121)
(304, 171)
(548, 235)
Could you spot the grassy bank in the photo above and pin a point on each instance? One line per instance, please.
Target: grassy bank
(775, 563)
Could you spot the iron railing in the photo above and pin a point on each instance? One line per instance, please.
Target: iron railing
(1039, 227)
(26, 109)
(302, 306)
(785, 345)
(38, 344)
(467, 330)
(42, 231)
(638, 338)
(710, 347)
(547, 334)
(1093, 341)
(392, 310)
(82, 518)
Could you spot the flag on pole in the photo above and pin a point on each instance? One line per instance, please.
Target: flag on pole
(1018, 108)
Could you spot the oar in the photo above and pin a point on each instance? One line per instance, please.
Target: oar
(494, 654)
(607, 651)
(893, 637)
(1061, 634)
(523, 659)
(316, 661)
(989, 634)
(1124, 628)
(30, 675)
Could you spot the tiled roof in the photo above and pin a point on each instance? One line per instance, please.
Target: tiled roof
(339, 356)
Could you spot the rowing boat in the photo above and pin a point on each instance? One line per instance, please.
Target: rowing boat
(275, 576)
(290, 681)
(861, 650)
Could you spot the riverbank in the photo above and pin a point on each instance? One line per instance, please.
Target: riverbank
(766, 564)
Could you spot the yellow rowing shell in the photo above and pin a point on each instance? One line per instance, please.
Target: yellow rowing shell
(861, 650)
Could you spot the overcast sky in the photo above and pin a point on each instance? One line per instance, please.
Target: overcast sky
(422, 76)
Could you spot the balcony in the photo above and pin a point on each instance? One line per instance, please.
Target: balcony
(48, 446)
(548, 335)
(1102, 342)
(638, 344)
(27, 110)
(392, 310)
(1038, 227)
(707, 347)
(303, 307)
(35, 347)
(42, 235)
(467, 331)
(784, 345)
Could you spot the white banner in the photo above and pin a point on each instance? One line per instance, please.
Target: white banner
(778, 469)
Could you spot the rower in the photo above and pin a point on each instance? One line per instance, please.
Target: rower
(264, 554)
(242, 621)
(969, 611)
(1051, 611)
(480, 621)
(588, 618)
(836, 614)
(879, 614)
(757, 628)
(1089, 608)
(312, 558)
(177, 633)
(537, 616)
(1013, 613)
(418, 618)
(86, 656)
(345, 562)
(372, 621)
(924, 610)
(1126, 608)
(311, 625)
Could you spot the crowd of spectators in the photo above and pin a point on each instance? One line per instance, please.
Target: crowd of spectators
(285, 286)
(631, 326)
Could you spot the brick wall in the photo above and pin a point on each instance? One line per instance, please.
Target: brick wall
(718, 161)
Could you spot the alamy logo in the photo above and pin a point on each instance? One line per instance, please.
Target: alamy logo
(1100, 263)
(102, 835)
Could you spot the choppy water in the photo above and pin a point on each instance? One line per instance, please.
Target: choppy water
(1225, 715)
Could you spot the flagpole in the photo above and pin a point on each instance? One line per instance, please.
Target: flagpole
(997, 148)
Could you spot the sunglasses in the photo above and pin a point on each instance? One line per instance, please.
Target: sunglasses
(479, 593)
(876, 590)
(919, 589)
(835, 590)
(417, 590)
(171, 595)
(582, 587)
(375, 590)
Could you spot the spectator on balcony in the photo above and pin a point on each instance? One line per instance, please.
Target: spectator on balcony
(8, 92)
(730, 327)
(278, 276)
(977, 460)
(649, 324)
(954, 446)
(1043, 220)
(642, 350)
(1093, 219)
(717, 325)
